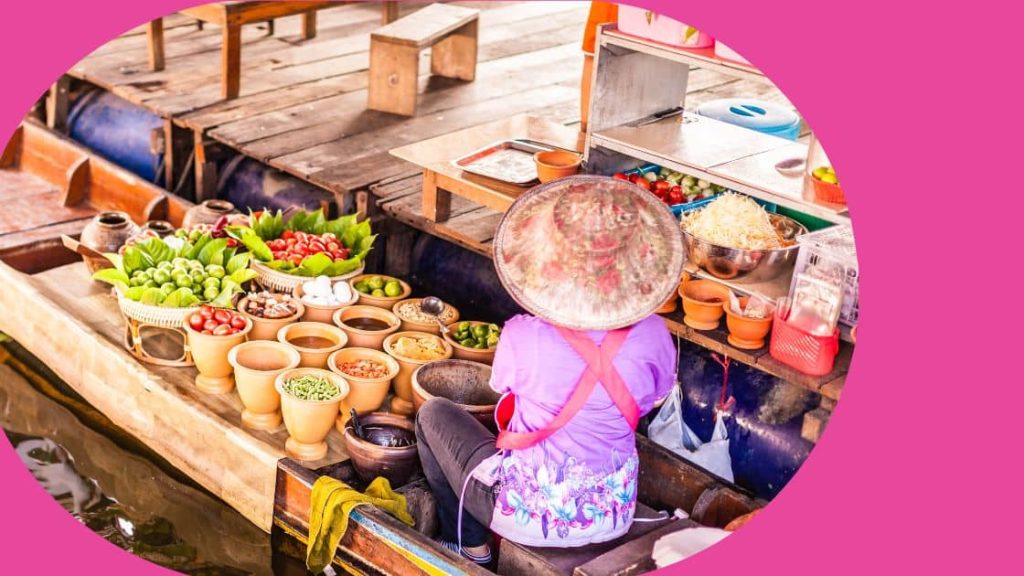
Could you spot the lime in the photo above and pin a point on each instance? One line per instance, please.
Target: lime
(392, 288)
(463, 326)
(375, 283)
(361, 286)
(377, 293)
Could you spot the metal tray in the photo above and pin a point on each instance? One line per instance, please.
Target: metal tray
(509, 161)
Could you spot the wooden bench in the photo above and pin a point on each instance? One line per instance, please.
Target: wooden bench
(450, 32)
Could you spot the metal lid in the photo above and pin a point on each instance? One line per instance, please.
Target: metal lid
(589, 252)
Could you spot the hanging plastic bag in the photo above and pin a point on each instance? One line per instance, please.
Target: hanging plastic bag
(679, 546)
(669, 430)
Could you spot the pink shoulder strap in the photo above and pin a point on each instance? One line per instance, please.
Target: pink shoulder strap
(599, 368)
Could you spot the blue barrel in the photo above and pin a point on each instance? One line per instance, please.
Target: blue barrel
(756, 115)
(249, 184)
(117, 130)
(764, 424)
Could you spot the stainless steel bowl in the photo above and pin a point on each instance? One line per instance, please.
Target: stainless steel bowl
(751, 265)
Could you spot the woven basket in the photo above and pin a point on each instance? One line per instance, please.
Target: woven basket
(285, 283)
(154, 315)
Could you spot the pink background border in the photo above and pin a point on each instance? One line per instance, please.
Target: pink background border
(901, 478)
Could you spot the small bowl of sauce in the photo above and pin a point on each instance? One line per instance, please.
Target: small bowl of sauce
(314, 341)
(367, 326)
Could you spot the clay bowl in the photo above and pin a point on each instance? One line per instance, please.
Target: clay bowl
(210, 354)
(308, 421)
(463, 382)
(359, 337)
(267, 328)
(257, 365)
(703, 303)
(312, 357)
(385, 302)
(482, 355)
(746, 333)
(372, 459)
(418, 326)
(401, 403)
(366, 394)
(555, 164)
(670, 305)
(320, 312)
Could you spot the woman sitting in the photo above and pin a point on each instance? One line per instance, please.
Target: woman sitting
(591, 258)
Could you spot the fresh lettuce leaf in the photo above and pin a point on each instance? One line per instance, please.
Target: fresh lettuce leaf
(314, 265)
(354, 234)
(116, 260)
(242, 275)
(338, 226)
(255, 244)
(113, 276)
(237, 262)
(155, 251)
(213, 249)
(193, 252)
(178, 298)
(134, 293)
(343, 267)
(228, 290)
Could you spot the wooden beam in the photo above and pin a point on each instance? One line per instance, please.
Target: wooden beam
(12, 152)
(206, 168)
(455, 55)
(389, 12)
(57, 104)
(309, 25)
(177, 144)
(155, 44)
(437, 203)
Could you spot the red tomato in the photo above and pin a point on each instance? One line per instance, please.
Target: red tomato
(620, 176)
(338, 255)
(206, 311)
(232, 243)
(223, 330)
(698, 197)
(287, 234)
(209, 325)
(332, 246)
(208, 332)
(237, 322)
(301, 247)
(643, 183)
(316, 246)
(634, 178)
(196, 322)
(330, 236)
(661, 187)
(222, 316)
(295, 260)
(675, 195)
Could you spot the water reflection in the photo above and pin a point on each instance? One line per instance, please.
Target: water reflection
(125, 498)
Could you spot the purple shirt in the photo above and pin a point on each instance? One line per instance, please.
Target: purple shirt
(536, 364)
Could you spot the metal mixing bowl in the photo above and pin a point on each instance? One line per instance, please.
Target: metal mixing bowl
(751, 265)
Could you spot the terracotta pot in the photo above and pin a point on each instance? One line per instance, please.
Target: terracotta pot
(320, 312)
(366, 338)
(267, 328)
(556, 164)
(370, 459)
(703, 303)
(482, 355)
(257, 365)
(746, 333)
(365, 394)
(207, 213)
(385, 302)
(670, 305)
(106, 233)
(312, 357)
(461, 381)
(431, 327)
(308, 421)
(162, 228)
(210, 354)
(401, 403)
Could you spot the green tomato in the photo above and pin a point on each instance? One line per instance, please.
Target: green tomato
(194, 265)
(215, 271)
(479, 332)
(378, 293)
(183, 281)
(375, 283)
(463, 326)
(179, 262)
(168, 287)
(161, 276)
(135, 281)
(211, 292)
(198, 276)
(165, 266)
(211, 282)
(392, 288)
(150, 284)
(467, 342)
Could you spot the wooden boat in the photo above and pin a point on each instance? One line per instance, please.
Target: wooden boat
(73, 325)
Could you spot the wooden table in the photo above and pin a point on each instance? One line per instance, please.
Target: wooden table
(441, 178)
(231, 16)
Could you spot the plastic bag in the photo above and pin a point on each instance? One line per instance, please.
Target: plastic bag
(679, 546)
(669, 430)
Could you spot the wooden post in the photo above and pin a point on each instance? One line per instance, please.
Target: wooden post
(231, 60)
(206, 169)
(76, 184)
(389, 13)
(57, 104)
(155, 43)
(309, 25)
(177, 142)
(455, 56)
(394, 73)
(437, 203)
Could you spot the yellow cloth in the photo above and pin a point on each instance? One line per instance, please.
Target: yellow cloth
(331, 503)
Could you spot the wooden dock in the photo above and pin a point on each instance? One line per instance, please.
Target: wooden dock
(302, 106)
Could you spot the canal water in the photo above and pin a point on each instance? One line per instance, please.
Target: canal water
(121, 491)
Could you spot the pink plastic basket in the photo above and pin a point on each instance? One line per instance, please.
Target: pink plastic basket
(795, 347)
(646, 24)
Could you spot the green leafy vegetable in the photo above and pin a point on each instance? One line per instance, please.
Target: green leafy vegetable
(237, 262)
(213, 249)
(113, 276)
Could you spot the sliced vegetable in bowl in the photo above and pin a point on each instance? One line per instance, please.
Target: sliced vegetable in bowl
(176, 273)
(307, 244)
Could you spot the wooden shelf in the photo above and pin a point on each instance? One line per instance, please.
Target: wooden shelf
(731, 156)
(716, 341)
(698, 57)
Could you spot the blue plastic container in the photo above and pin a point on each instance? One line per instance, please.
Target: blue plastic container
(758, 115)
(117, 130)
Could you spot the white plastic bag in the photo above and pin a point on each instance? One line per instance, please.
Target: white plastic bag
(679, 546)
(669, 430)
